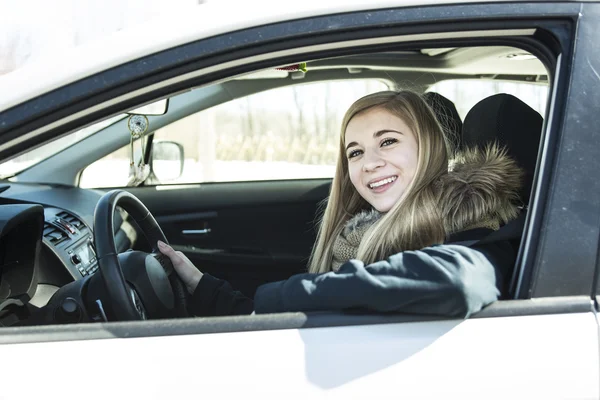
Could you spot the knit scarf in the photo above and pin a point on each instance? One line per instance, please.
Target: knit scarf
(346, 244)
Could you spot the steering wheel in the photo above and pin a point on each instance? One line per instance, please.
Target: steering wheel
(138, 285)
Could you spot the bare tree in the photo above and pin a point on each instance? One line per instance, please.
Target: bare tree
(300, 127)
(299, 131)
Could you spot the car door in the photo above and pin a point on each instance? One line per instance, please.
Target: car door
(540, 342)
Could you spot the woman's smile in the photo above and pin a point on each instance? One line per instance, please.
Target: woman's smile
(380, 185)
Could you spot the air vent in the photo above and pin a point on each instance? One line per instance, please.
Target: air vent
(71, 219)
(53, 234)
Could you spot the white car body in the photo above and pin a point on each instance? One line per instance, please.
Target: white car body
(467, 359)
(543, 353)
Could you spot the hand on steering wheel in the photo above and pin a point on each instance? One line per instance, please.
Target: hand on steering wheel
(148, 283)
(187, 271)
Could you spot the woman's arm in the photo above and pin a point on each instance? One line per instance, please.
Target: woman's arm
(214, 297)
(449, 280)
(210, 296)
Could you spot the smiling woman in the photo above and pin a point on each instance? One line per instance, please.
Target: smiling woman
(412, 162)
(383, 150)
(393, 145)
(392, 199)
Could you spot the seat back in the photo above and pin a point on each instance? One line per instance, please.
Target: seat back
(512, 123)
(448, 117)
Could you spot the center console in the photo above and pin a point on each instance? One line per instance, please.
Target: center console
(71, 241)
(82, 256)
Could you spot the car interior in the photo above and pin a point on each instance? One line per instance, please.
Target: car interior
(55, 220)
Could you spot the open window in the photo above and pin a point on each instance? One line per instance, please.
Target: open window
(262, 129)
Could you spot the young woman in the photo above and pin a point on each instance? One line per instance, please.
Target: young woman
(395, 207)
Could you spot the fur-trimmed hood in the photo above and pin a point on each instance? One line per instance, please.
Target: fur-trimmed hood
(480, 190)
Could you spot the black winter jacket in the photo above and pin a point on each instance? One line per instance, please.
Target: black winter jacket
(446, 280)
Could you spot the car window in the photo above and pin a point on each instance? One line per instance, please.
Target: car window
(15, 165)
(465, 93)
(284, 133)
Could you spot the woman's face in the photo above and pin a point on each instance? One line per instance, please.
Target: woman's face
(382, 153)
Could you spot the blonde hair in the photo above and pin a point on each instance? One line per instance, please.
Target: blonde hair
(414, 221)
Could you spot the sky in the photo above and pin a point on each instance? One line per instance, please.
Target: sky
(33, 29)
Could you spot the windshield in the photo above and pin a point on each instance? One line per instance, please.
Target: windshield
(18, 164)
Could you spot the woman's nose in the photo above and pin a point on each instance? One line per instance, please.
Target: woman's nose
(372, 161)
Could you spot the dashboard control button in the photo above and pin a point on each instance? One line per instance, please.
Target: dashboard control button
(75, 259)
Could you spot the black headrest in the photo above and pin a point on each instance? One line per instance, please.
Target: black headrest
(448, 117)
(513, 124)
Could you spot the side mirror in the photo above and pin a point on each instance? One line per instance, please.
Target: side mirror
(167, 160)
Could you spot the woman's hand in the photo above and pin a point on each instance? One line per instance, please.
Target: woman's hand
(189, 274)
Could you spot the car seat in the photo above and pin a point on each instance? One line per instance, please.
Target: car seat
(448, 117)
(512, 123)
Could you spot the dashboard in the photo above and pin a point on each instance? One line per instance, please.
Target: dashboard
(65, 252)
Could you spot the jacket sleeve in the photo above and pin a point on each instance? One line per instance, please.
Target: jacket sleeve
(448, 280)
(214, 297)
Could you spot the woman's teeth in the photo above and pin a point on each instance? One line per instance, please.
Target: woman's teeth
(382, 182)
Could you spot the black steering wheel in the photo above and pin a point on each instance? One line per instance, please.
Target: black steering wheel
(138, 285)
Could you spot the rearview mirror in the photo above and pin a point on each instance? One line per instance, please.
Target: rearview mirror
(159, 107)
(167, 160)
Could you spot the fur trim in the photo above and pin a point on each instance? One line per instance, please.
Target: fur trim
(482, 186)
(363, 218)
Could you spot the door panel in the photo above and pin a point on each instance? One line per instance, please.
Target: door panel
(524, 357)
(248, 233)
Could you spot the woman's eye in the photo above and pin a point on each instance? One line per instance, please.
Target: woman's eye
(354, 153)
(388, 142)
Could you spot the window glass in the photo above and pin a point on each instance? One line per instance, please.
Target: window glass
(32, 157)
(465, 93)
(285, 133)
(111, 170)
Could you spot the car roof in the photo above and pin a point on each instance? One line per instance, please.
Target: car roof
(167, 31)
